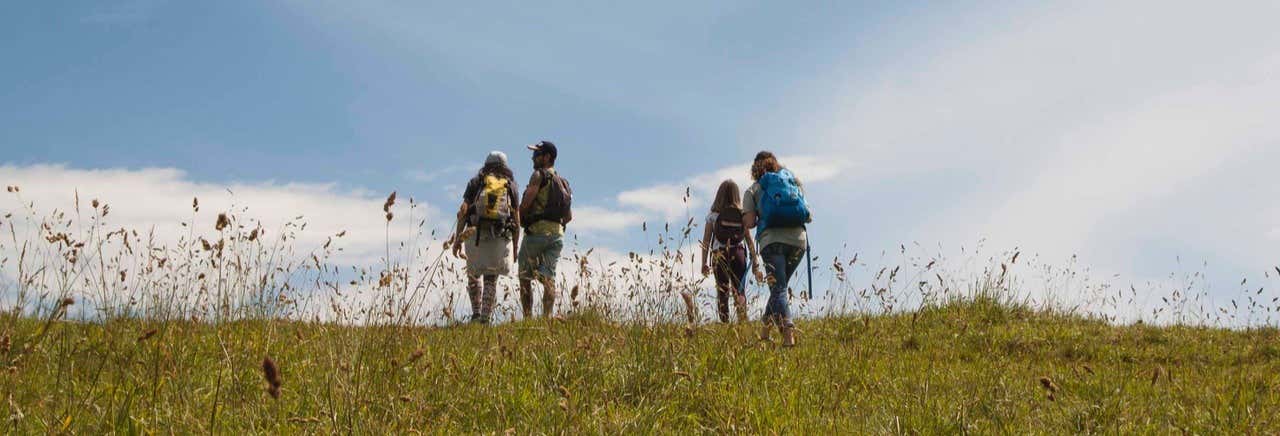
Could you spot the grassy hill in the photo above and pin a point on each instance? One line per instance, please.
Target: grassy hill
(963, 367)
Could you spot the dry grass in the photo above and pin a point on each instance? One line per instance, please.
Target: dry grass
(234, 328)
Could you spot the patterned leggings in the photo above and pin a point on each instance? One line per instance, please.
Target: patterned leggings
(482, 297)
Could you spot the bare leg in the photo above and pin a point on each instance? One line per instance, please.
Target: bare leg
(548, 296)
(741, 303)
(526, 298)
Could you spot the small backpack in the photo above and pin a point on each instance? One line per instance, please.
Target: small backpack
(559, 207)
(781, 203)
(493, 201)
(728, 228)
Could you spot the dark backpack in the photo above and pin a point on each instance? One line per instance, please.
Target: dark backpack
(559, 207)
(728, 228)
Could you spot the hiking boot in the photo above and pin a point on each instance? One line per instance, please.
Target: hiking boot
(788, 336)
(764, 332)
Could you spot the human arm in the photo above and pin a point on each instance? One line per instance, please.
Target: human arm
(530, 193)
(755, 259)
(706, 248)
(749, 216)
(460, 225)
(515, 218)
(515, 239)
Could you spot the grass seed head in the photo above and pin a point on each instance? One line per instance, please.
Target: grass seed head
(1048, 384)
(391, 201)
(272, 374)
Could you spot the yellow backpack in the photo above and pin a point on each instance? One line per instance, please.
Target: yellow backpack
(493, 202)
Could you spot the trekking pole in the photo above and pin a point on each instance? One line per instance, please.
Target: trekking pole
(808, 260)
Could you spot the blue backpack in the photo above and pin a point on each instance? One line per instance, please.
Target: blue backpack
(781, 203)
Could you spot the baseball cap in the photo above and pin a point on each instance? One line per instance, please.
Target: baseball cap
(544, 147)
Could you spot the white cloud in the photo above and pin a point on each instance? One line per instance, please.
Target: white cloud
(432, 176)
(667, 200)
(599, 219)
(161, 198)
(1120, 143)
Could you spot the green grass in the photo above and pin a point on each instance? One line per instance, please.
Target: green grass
(963, 367)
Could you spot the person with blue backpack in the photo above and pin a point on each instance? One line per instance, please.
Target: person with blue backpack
(776, 208)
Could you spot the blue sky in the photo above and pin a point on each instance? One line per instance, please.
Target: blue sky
(1129, 133)
(310, 91)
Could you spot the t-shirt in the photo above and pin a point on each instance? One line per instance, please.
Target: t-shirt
(711, 225)
(543, 227)
(793, 236)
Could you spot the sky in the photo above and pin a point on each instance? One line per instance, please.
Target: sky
(1139, 136)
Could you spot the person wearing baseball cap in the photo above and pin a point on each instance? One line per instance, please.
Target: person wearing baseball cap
(546, 148)
(544, 210)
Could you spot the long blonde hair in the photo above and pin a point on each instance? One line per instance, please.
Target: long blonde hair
(728, 196)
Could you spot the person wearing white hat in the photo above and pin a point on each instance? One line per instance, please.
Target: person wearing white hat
(487, 232)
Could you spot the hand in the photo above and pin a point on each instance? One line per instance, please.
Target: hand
(706, 270)
(456, 246)
(759, 275)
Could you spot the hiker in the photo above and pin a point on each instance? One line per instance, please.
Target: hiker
(486, 226)
(726, 249)
(545, 210)
(775, 206)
